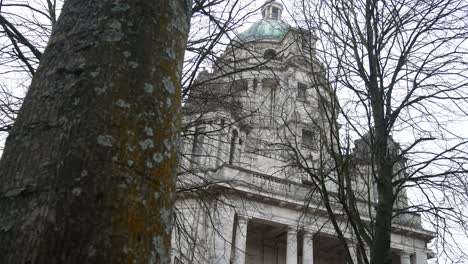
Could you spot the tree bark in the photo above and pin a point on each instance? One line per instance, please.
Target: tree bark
(87, 175)
(380, 250)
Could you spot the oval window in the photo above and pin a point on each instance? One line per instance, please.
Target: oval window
(269, 54)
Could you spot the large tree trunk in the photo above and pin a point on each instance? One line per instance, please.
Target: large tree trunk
(87, 171)
(380, 253)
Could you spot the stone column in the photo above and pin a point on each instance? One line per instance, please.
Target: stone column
(291, 246)
(420, 258)
(223, 230)
(241, 240)
(368, 252)
(405, 258)
(308, 248)
(353, 251)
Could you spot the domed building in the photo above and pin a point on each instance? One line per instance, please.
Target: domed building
(257, 127)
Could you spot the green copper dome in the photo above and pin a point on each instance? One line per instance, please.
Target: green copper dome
(265, 29)
(270, 27)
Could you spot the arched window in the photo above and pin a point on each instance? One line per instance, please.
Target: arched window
(301, 91)
(197, 148)
(255, 84)
(234, 140)
(269, 54)
(309, 139)
(275, 13)
(269, 88)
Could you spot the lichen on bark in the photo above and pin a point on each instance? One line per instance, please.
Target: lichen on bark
(78, 153)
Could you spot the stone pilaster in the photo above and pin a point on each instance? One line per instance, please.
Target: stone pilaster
(222, 232)
(241, 240)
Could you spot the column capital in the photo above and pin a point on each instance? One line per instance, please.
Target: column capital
(241, 219)
(405, 257)
(309, 234)
(292, 229)
(351, 241)
(420, 257)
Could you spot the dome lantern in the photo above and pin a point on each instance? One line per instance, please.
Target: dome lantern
(272, 10)
(270, 27)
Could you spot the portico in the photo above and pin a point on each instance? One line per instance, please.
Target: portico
(267, 232)
(261, 242)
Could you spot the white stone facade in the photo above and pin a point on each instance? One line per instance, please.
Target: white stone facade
(239, 199)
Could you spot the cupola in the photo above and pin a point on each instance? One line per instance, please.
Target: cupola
(272, 10)
(270, 27)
